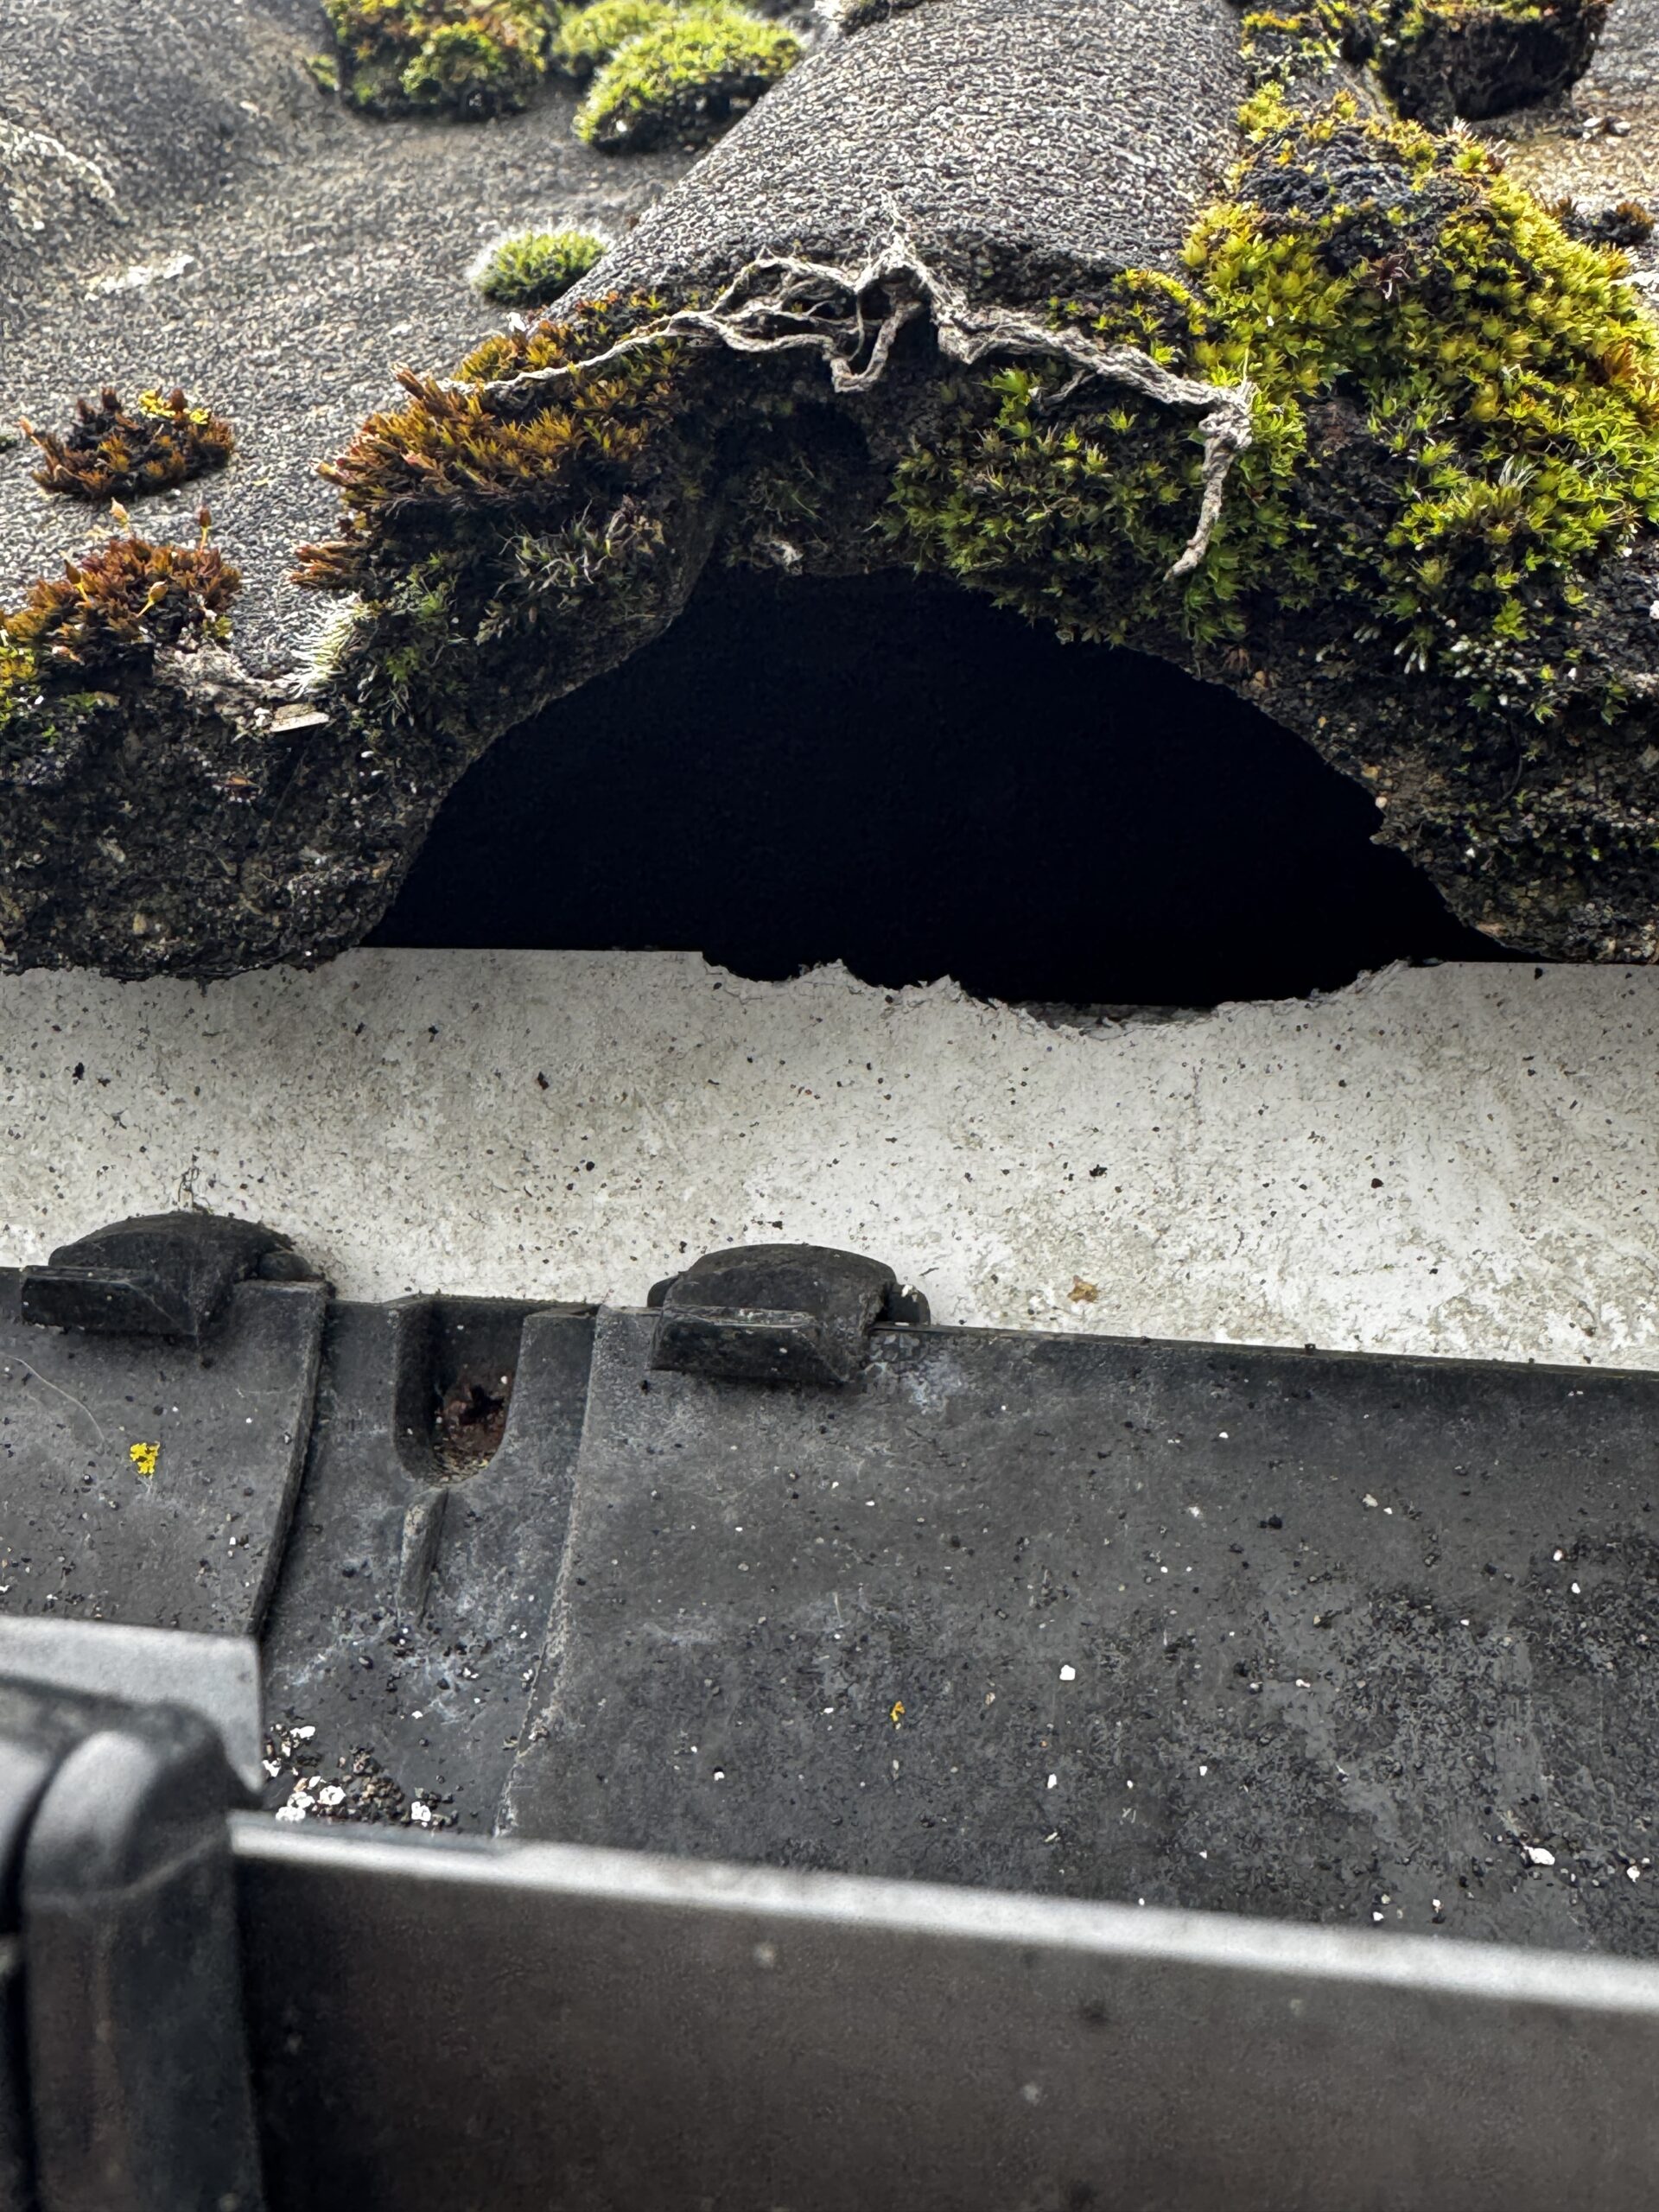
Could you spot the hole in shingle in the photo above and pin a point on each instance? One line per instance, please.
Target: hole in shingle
(914, 783)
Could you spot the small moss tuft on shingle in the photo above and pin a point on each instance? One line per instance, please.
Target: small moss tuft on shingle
(115, 452)
(111, 612)
(533, 269)
(470, 58)
(1615, 223)
(685, 80)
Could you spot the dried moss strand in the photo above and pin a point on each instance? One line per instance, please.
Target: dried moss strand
(857, 345)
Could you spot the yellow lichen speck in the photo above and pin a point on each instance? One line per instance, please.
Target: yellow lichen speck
(144, 1456)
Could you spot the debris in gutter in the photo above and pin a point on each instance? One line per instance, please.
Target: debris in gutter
(360, 1791)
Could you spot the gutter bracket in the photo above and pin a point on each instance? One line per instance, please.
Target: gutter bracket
(166, 1275)
(778, 1313)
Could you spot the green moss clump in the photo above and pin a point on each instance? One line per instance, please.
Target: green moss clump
(684, 81)
(533, 269)
(1439, 59)
(465, 67)
(1457, 415)
(587, 37)
(1445, 58)
(471, 58)
(113, 451)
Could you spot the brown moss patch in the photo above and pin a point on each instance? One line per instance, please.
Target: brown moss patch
(116, 452)
(120, 605)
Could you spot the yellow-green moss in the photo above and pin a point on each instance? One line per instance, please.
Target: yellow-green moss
(461, 57)
(587, 37)
(1458, 413)
(686, 78)
(535, 268)
(1287, 42)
